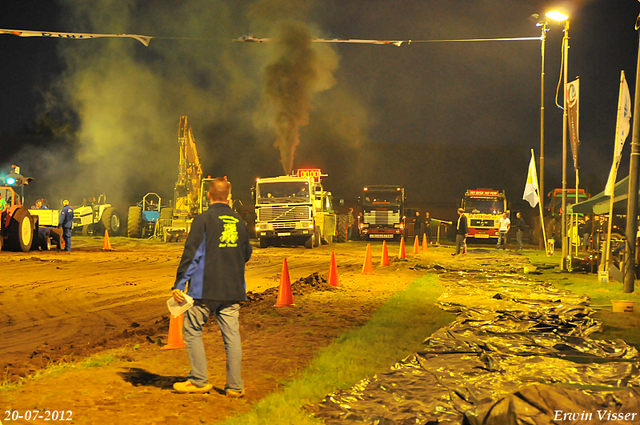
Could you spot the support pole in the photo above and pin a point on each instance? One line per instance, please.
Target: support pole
(632, 204)
(565, 60)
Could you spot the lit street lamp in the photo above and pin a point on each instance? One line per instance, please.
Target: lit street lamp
(561, 17)
(543, 38)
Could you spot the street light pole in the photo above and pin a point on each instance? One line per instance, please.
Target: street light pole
(565, 60)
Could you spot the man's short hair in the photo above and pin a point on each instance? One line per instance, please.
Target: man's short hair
(65, 202)
(219, 189)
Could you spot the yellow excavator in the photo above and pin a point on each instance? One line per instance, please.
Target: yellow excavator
(189, 195)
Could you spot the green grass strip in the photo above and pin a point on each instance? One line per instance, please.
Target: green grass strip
(396, 330)
(58, 369)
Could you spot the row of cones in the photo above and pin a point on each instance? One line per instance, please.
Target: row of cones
(285, 296)
(367, 268)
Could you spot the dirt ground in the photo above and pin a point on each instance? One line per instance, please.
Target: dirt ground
(58, 307)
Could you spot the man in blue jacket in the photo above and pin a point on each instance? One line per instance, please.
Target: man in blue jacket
(213, 264)
(66, 222)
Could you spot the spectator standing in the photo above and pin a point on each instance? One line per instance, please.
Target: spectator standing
(585, 230)
(505, 225)
(213, 262)
(417, 224)
(520, 226)
(350, 221)
(462, 230)
(427, 226)
(66, 222)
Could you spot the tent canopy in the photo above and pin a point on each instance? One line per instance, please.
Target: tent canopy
(599, 204)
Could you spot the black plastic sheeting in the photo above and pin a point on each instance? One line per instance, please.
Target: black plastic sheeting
(519, 352)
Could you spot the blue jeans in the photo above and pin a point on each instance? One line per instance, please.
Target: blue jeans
(226, 315)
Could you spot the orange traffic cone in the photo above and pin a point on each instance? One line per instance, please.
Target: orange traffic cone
(367, 268)
(333, 271)
(425, 245)
(385, 254)
(401, 251)
(107, 242)
(285, 297)
(175, 333)
(416, 247)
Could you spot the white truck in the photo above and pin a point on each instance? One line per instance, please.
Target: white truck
(294, 210)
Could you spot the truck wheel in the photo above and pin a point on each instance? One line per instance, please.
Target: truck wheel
(1, 241)
(111, 221)
(264, 242)
(341, 228)
(316, 237)
(134, 222)
(20, 231)
(310, 242)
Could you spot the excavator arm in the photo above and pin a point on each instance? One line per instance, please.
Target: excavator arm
(187, 188)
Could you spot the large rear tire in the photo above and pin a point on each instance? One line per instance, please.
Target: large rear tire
(134, 222)
(20, 231)
(341, 228)
(111, 221)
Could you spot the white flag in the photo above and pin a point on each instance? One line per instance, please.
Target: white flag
(623, 125)
(531, 188)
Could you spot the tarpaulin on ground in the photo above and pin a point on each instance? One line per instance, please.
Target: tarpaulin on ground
(519, 352)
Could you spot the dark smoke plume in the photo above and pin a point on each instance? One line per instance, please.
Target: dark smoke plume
(290, 81)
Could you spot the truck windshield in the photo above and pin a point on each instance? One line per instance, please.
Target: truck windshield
(283, 192)
(390, 198)
(483, 206)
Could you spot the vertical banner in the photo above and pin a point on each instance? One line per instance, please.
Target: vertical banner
(623, 126)
(573, 105)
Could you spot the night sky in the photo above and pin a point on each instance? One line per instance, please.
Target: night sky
(86, 116)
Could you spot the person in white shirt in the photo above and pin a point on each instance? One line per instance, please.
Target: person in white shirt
(505, 225)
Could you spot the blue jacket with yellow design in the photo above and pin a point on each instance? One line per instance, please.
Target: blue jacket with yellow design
(214, 256)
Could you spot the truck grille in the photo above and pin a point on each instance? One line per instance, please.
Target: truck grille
(482, 223)
(382, 217)
(300, 212)
(284, 225)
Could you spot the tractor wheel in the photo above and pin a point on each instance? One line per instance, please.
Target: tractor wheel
(45, 243)
(56, 234)
(88, 230)
(1, 241)
(264, 242)
(111, 221)
(20, 231)
(134, 222)
(341, 229)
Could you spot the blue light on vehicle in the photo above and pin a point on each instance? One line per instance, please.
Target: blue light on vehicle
(11, 180)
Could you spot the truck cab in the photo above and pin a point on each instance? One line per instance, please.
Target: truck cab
(293, 210)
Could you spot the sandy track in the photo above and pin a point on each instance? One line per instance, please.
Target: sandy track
(59, 302)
